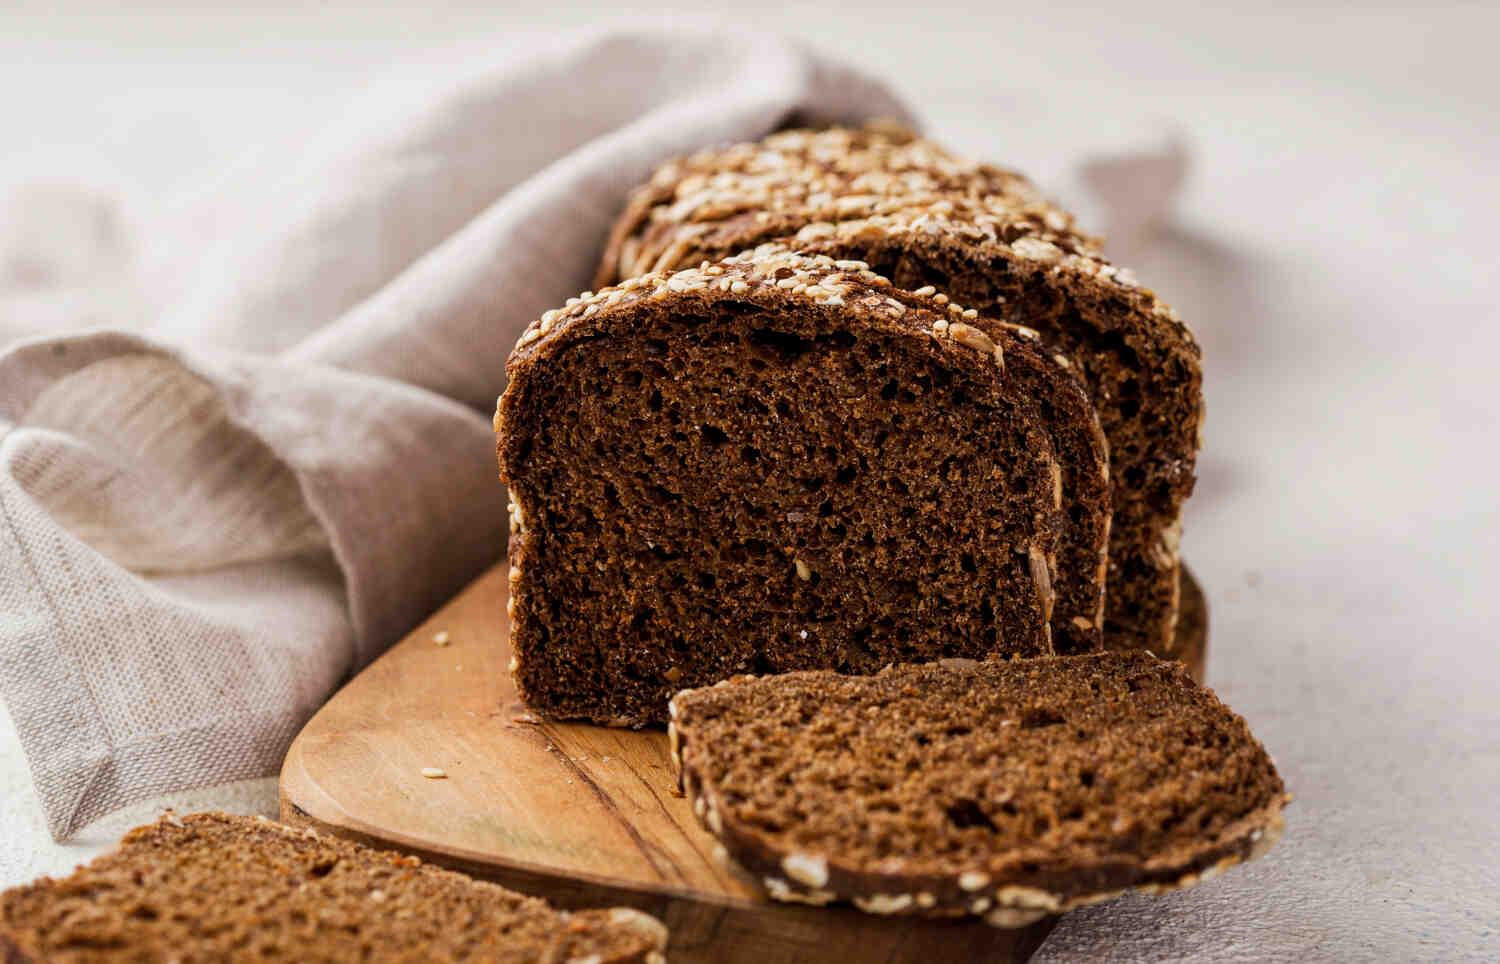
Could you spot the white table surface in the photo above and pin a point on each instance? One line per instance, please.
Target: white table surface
(1334, 251)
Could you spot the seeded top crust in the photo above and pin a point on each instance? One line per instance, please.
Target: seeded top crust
(1007, 790)
(216, 887)
(838, 182)
(923, 216)
(780, 462)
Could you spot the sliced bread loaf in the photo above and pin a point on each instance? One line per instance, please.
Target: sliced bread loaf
(1003, 789)
(775, 463)
(215, 887)
(924, 217)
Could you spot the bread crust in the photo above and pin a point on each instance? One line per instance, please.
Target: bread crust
(918, 213)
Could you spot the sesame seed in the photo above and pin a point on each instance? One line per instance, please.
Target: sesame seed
(926, 291)
(441, 638)
(973, 880)
(434, 773)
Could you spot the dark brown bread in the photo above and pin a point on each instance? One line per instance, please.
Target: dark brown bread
(773, 463)
(215, 887)
(1083, 462)
(921, 216)
(1003, 789)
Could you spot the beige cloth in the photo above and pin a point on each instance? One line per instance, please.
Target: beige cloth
(209, 522)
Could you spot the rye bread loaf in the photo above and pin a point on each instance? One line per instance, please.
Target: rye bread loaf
(217, 887)
(772, 463)
(921, 216)
(1003, 789)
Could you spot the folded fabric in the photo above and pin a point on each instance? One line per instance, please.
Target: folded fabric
(205, 527)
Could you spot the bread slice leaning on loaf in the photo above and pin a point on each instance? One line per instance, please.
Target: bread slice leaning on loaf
(779, 462)
(923, 217)
(217, 887)
(1007, 790)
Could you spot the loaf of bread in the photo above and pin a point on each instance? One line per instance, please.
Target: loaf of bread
(1008, 790)
(780, 462)
(213, 887)
(923, 217)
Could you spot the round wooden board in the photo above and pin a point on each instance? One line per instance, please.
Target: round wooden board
(581, 815)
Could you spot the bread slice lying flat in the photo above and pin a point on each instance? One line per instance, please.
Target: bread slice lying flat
(778, 462)
(1003, 789)
(215, 887)
(923, 216)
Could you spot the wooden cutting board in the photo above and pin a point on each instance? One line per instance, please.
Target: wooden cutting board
(581, 815)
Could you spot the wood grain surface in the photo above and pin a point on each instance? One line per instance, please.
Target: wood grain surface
(581, 815)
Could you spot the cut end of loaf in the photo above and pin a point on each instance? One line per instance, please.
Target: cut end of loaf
(763, 465)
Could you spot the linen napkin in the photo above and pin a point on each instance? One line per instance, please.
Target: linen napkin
(279, 456)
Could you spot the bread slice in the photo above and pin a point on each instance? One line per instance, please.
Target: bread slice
(767, 464)
(1082, 459)
(1079, 578)
(1003, 789)
(215, 887)
(924, 217)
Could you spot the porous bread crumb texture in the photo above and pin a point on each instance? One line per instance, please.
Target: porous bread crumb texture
(215, 887)
(926, 218)
(1036, 785)
(1080, 480)
(768, 464)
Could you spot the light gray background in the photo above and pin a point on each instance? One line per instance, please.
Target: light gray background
(1334, 250)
